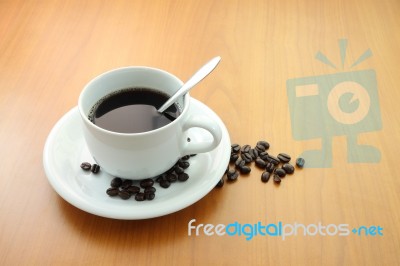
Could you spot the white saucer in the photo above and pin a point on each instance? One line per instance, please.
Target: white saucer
(65, 150)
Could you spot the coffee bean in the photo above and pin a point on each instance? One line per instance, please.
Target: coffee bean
(273, 159)
(220, 182)
(245, 169)
(246, 157)
(263, 155)
(232, 175)
(86, 166)
(289, 169)
(245, 148)
(171, 170)
(280, 172)
(150, 195)
(277, 179)
(183, 177)
(186, 157)
(126, 183)
(227, 168)
(300, 162)
(179, 170)
(123, 194)
(95, 168)
(161, 177)
(234, 157)
(184, 164)
(149, 189)
(239, 162)
(253, 153)
(112, 191)
(148, 182)
(264, 144)
(116, 182)
(140, 196)
(270, 167)
(172, 177)
(132, 189)
(283, 157)
(235, 148)
(165, 183)
(192, 155)
(265, 176)
(261, 163)
(260, 148)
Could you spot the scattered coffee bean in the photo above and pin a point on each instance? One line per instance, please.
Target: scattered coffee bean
(265, 176)
(186, 157)
(232, 174)
(165, 183)
(270, 167)
(148, 182)
(133, 189)
(161, 177)
(300, 162)
(86, 166)
(273, 159)
(172, 177)
(235, 148)
(289, 169)
(261, 163)
(123, 194)
(126, 183)
(184, 164)
(260, 148)
(280, 172)
(263, 155)
(183, 177)
(277, 179)
(220, 183)
(239, 162)
(245, 148)
(150, 195)
(264, 144)
(253, 153)
(150, 189)
(95, 168)
(179, 170)
(112, 191)
(140, 196)
(116, 182)
(171, 170)
(283, 157)
(234, 157)
(245, 169)
(246, 157)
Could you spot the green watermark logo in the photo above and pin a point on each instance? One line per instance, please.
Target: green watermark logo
(340, 104)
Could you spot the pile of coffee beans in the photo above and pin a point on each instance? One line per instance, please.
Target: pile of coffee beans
(126, 188)
(241, 158)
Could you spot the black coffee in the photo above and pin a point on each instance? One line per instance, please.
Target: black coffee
(132, 110)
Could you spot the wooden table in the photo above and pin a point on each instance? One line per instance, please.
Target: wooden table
(50, 49)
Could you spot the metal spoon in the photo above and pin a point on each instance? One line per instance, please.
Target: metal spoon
(196, 78)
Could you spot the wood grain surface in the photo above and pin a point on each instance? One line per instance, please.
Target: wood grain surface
(50, 49)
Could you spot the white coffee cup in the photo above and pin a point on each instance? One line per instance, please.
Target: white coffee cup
(146, 154)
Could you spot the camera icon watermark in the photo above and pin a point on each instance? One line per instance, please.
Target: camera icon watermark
(340, 104)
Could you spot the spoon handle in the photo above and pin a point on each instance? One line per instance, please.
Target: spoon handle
(196, 78)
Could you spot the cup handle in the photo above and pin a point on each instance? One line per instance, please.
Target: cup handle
(201, 121)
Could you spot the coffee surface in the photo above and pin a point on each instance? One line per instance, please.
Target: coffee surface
(132, 110)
